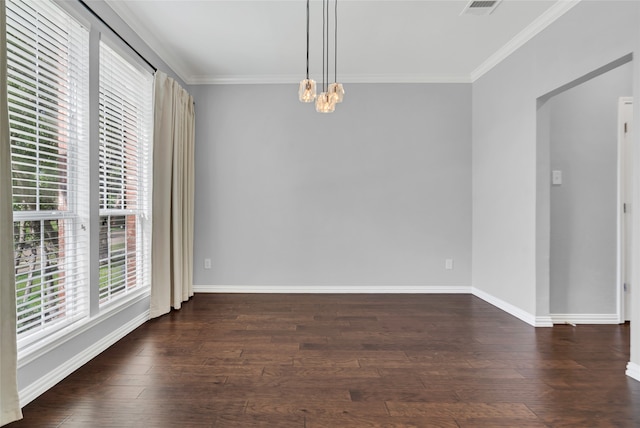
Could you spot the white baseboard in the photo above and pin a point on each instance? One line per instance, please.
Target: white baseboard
(633, 371)
(513, 310)
(543, 321)
(46, 382)
(37, 388)
(333, 289)
(584, 318)
(378, 289)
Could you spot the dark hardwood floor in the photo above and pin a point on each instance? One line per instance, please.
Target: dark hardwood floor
(348, 361)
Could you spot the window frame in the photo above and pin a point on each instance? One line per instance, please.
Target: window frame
(144, 150)
(33, 346)
(54, 126)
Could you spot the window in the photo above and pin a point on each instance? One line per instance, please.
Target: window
(125, 124)
(48, 112)
(49, 59)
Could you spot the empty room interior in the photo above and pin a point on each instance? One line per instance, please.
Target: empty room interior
(338, 213)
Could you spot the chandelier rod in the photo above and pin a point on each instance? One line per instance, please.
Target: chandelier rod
(335, 40)
(307, 39)
(324, 42)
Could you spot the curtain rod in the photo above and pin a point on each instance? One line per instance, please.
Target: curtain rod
(86, 6)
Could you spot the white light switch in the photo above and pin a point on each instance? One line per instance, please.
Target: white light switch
(556, 177)
(448, 264)
(207, 263)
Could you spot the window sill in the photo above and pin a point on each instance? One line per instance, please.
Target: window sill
(35, 350)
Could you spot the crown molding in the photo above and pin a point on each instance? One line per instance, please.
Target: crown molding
(543, 21)
(139, 27)
(291, 79)
(177, 65)
(242, 80)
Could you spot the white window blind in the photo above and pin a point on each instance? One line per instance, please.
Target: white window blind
(47, 74)
(125, 175)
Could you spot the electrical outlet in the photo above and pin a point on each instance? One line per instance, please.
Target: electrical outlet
(207, 263)
(448, 264)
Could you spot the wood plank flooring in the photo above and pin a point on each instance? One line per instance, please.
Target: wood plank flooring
(252, 360)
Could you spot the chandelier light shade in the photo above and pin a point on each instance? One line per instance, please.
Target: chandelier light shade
(307, 90)
(325, 103)
(333, 93)
(337, 92)
(335, 89)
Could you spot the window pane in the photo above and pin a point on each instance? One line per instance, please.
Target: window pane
(125, 173)
(47, 74)
(46, 272)
(120, 256)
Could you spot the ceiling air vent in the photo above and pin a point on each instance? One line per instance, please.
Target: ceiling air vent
(480, 7)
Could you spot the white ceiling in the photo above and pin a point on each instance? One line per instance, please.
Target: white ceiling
(264, 41)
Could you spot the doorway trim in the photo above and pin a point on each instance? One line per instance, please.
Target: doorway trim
(543, 197)
(624, 197)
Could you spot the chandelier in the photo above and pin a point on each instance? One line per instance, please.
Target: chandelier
(332, 93)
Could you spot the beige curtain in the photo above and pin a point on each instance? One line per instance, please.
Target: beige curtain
(173, 188)
(9, 402)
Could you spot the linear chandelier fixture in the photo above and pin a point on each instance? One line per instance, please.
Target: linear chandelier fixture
(333, 93)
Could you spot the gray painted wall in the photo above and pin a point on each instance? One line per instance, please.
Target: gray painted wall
(583, 143)
(377, 193)
(507, 240)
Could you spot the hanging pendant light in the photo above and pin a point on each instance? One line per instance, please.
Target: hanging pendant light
(325, 103)
(307, 89)
(334, 92)
(335, 89)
